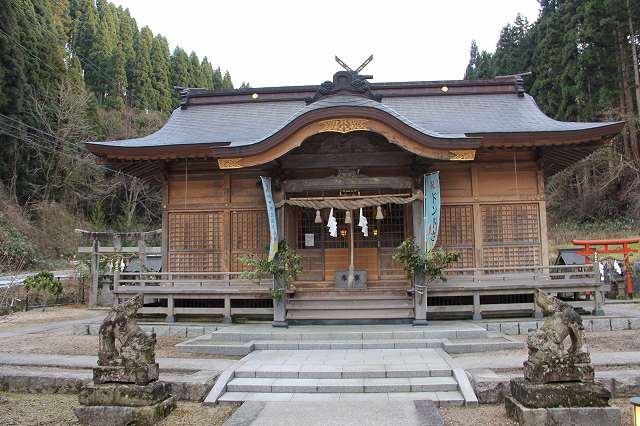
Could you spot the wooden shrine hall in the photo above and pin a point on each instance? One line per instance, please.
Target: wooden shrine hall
(344, 140)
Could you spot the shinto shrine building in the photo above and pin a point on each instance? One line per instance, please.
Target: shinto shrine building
(345, 140)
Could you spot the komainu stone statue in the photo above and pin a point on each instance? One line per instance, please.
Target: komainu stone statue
(558, 384)
(125, 388)
(125, 352)
(550, 360)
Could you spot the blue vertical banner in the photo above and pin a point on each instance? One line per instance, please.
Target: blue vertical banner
(431, 209)
(271, 213)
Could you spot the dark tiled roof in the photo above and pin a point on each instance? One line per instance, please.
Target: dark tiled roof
(446, 116)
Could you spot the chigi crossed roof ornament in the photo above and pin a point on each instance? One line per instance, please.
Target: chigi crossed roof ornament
(360, 68)
(347, 81)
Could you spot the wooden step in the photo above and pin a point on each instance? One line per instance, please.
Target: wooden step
(341, 296)
(342, 314)
(349, 304)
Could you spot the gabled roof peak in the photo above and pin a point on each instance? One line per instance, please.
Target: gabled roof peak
(345, 82)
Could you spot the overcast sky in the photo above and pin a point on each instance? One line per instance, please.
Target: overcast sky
(278, 42)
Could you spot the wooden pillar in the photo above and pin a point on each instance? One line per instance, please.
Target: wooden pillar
(95, 265)
(142, 254)
(537, 310)
(419, 300)
(351, 278)
(165, 219)
(171, 315)
(280, 305)
(227, 310)
(598, 298)
(477, 312)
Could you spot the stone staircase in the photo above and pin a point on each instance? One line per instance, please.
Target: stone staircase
(347, 362)
(451, 337)
(347, 379)
(321, 300)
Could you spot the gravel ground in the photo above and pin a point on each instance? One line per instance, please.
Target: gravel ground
(39, 409)
(30, 409)
(38, 316)
(604, 341)
(496, 415)
(64, 342)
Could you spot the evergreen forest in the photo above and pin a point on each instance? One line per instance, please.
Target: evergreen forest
(579, 61)
(72, 71)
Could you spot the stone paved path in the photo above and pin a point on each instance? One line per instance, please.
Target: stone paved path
(342, 413)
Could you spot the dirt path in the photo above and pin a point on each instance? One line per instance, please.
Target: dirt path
(39, 320)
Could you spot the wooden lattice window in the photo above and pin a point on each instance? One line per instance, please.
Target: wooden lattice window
(510, 235)
(456, 234)
(249, 235)
(510, 223)
(196, 242)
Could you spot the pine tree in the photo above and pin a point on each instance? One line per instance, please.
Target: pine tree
(127, 33)
(161, 65)
(117, 82)
(195, 73)
(206, 72)
(227, 84)
(12, 66)
(144, 94)
(102, 54)
(471, 72)
(217, 80)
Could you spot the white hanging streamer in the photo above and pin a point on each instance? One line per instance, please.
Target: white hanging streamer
(332, 224)
(362, 222)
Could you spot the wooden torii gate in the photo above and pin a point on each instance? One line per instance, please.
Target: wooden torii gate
(116, 238)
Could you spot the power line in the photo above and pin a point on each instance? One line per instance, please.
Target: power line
(49, 149)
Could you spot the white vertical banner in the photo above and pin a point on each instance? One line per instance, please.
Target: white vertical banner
(431, 209)
(271, 214)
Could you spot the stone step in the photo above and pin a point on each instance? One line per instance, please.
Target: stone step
(345, 314)
(243, 348)
(356, 371)
(441, 399)
(484, 345)
(380, 385)
(346, 333)
(351, 304)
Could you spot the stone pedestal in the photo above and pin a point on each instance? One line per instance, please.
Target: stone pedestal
(571, 368)
(116, 415)
(564, 394)
(140, 375)
(583, 416)
(123, 395)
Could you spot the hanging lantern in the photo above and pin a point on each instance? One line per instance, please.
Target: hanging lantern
(318, 219)
(375, 232)
(347, 217)
(343, 232)
(379, 215)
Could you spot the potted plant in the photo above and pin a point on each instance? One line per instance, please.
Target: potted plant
(423, 268)
(285, 267)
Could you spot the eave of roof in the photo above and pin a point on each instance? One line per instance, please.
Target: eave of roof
(479, 114)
